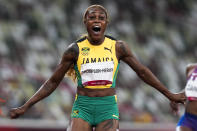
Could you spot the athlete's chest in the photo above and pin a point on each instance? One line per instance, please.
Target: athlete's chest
(191, 86)
(192, 81)
(96, 54)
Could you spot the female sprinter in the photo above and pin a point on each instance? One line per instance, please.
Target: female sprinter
(95, 59)
(188, 122)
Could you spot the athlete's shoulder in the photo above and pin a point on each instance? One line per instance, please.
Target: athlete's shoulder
(120, 43)
(122, 49)
(71, 52)
(190, 68)
(110, 37)
(72, 48)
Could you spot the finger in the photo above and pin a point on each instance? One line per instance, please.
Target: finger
(183, 102)
(175, 111)
(12, 115)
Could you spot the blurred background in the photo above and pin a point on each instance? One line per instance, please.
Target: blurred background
(34, 34)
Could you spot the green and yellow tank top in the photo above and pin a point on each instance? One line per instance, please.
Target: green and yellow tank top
(97, 65)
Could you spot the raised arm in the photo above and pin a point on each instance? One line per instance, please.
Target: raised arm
(124, 53)
(68, 58)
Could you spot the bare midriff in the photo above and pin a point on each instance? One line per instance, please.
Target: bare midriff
(191, 107)
(96, 92)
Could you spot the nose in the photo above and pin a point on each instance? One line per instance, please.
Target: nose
(97, 19)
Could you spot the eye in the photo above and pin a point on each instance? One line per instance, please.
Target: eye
(92, 17)
(102, 18)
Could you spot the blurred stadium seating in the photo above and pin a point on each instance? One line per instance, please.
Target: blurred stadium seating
(35, 33)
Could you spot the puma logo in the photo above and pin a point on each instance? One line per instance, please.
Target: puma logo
(75, 113)
(105, 48)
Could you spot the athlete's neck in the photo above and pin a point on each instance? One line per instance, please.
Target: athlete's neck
(96, 41)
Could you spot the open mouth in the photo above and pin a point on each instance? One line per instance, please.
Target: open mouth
(96, 28)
